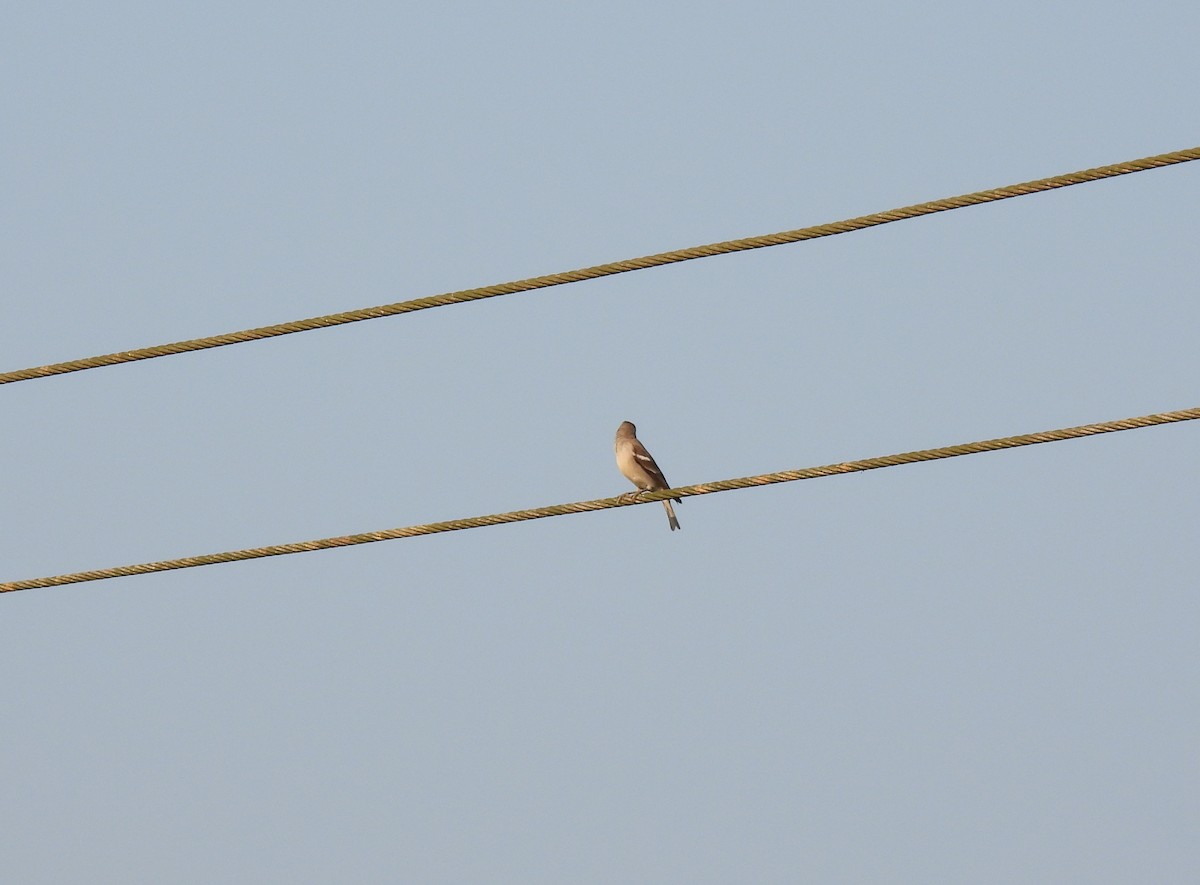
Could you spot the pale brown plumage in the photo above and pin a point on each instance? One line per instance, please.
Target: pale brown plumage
(638, 466)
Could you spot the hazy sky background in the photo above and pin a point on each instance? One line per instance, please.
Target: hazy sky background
(978, 670)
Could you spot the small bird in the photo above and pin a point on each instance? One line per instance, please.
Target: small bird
(637, 465)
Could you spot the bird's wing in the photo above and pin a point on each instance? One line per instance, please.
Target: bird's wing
(646, 461)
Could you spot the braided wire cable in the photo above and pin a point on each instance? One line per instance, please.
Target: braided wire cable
(602, 270)
(991, 445)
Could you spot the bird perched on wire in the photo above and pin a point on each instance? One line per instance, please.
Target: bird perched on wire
(637, 465)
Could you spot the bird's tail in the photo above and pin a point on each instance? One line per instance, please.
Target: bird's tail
(671, 515)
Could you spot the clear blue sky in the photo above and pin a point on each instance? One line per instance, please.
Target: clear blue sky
(978, 670)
